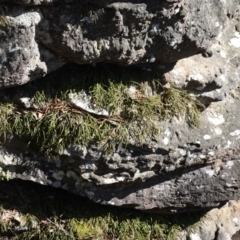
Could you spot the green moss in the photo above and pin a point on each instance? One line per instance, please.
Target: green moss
(32, 211)
(54, 123)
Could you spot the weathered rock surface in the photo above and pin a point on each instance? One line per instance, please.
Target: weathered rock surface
(211, 77)
(218, 224)
(39, 39)
(187, 168)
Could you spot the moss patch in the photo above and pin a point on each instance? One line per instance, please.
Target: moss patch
(136, 103)
(31, 211)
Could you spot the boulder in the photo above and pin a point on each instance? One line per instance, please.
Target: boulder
(217, 224)
(186, 168)
(39, 39)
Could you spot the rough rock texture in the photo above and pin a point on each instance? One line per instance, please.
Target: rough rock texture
(212, 76)
(187, 168)
(21, 58)
(37, 40)
(218, 224)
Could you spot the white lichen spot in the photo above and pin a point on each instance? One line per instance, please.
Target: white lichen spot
(217, 169)
(230, 164)
(58, 175)
(223, 54)
(228, 184)
(176, 10)
(203, 156)
(218, 131)
(88, 166)
(216, 119)
(211, 153)
(217, 24)
(228, 144)
(235, 133)
(235, 42)
(235, 220)
(7, 160)
(167, 133)
(83, 101)
(206, 137)
(120, 179)
(195, 77)
(165, 141)
(109, 181)
(111, 203)
(210, 172)
(152, 59)
(194, 236)
(183, 152)
(14, 47)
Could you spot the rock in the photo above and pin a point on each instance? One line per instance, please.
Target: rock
(82, 101)
(217, 224)
(40, 39)
(211, 79)
(186, 168)
(22, 59)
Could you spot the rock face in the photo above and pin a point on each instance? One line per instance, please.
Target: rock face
(218, 224)
(37, 40)
(187, 168)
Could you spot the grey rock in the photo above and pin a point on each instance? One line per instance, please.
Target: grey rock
(211, 79)
(217, 224)
(40, 39)
(186, 168)
(22, 59)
